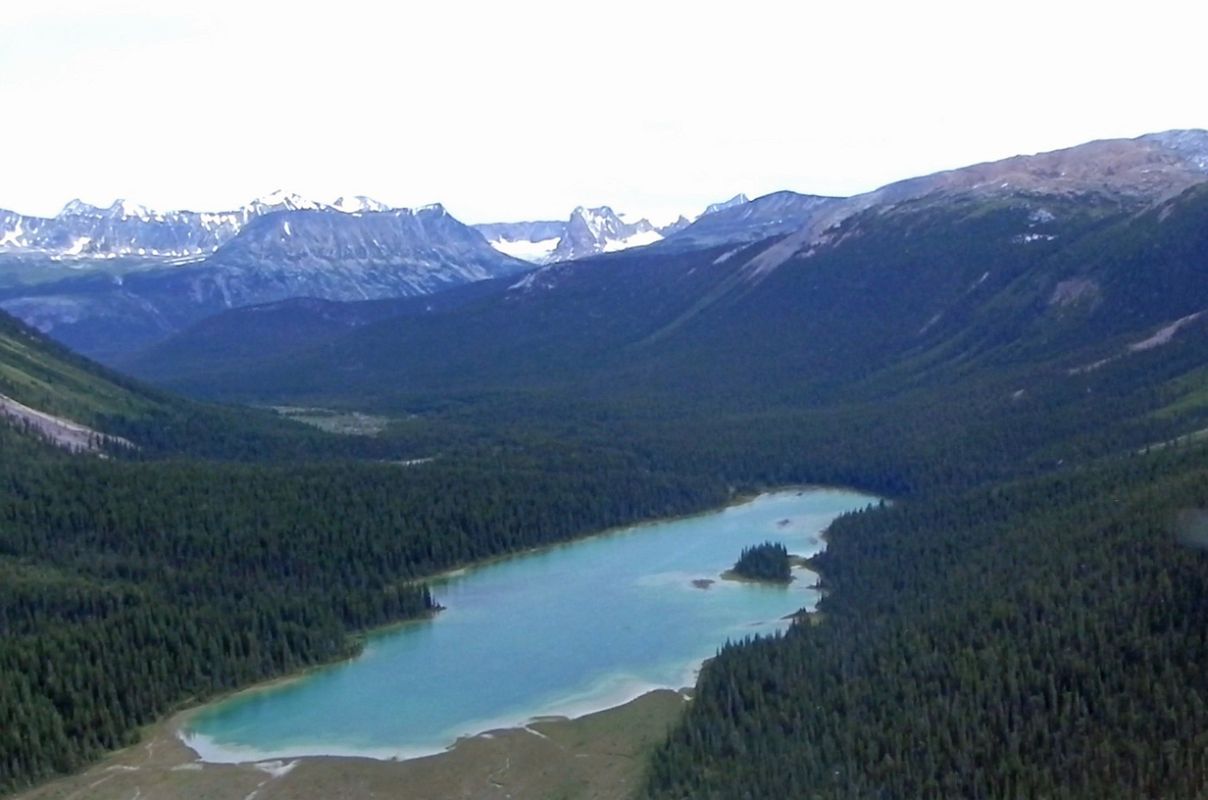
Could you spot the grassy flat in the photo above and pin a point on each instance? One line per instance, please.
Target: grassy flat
(596, 757)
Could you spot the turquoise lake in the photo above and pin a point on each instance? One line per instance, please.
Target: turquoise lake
(565, 631)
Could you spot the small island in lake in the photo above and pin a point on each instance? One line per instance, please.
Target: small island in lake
(768, 562)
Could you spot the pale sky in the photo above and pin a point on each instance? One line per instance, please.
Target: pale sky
(523, 110)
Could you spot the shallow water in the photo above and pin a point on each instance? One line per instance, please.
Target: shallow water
(566, 631)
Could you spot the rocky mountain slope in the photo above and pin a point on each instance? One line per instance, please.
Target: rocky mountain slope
(357, 256)
(82, 231)
(601, 230)
(531, 241)
(591, 231)
(586, 232)
(1134, 172)
(301, 252)
(1057, 275)
(740, 220)
(307, 249)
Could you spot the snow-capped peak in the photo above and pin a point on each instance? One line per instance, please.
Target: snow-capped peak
(124, 208)
(587, 231)
(280, 200)
(125, 228)
(118, 209)
(358, 204)
(78, 207)
(600, 230)
(599, 221)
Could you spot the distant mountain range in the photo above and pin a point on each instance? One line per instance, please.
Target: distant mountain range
(83, 231)
(142, 276)
(110, 282)
(587, 232)
(1038, 253)
(126, 229)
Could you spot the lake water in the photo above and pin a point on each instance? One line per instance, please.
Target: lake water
(566, 631)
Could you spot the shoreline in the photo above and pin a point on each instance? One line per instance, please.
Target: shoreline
(192, 707)
(169, 734)
(734, 577)
(599, 755)
(733, 502)
(571, 710)
(219, 754)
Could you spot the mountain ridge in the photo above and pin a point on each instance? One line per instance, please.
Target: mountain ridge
(277, 255)
(124, 228)
(369, 254)
(1052, 276)
(588, 232)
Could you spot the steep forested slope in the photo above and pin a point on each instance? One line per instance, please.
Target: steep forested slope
(50, 379)
(1039, 639)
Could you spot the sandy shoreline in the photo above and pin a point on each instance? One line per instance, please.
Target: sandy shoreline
(599, 755)
(570, 710)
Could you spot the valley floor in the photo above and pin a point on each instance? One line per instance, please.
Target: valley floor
(596, 757)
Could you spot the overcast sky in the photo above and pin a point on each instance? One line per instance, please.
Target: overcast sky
(522, 110)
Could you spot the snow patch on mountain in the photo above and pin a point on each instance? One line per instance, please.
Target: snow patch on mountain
(125, 209)
(125, 228)
(13, 237)
(280, 200)
(600, 230)
(78, 207)
(358, 204)
(537, 252)
(640, 239)
(78, 246)
(587, 232)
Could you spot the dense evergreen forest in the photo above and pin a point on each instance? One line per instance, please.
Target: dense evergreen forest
(162, 581)
(129, 588)
(1039, 639)
(768, 561)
